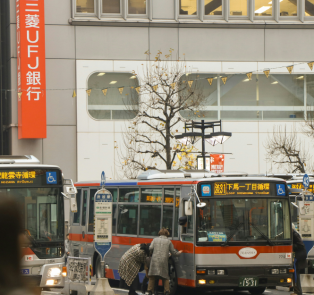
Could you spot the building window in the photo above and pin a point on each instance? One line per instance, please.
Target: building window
(111, 6)
(310, 91)
(213, 7)
(112, 105)
(309, 7)
(289, 8)
(238, 7)
(137, 6)
(188, 7)
(85, 6)
(263, 8)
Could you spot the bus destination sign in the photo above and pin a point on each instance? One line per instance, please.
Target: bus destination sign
(241, 188)
(29, 177)
(299, 185)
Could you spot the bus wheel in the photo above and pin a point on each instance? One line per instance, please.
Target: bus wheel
(173, 282)
(98, 267)
(256, 291)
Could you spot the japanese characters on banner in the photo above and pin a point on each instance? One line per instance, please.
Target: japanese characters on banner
(217, 163)
(31, 68)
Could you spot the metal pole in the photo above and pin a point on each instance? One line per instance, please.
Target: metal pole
(203, 145)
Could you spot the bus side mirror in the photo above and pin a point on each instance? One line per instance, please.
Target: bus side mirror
(188, 208)
(70, 193)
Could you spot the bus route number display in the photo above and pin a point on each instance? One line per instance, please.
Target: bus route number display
(241, 188)
(103, 221)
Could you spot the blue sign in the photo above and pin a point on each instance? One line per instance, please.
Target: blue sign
(51, 177)
(103, 179)
(25, 271)
(306, 181)
(309, 198)
(104, 198)
(206, 190)
(281, 189)
(289, 185)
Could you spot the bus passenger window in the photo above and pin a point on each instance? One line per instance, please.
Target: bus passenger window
(128, 195)
(114, 193)
(188, 230)
(92, 193)
(114, 219)
(150, 220)
(151, 195)
(127, 219)
(167, 218)
(77, 215)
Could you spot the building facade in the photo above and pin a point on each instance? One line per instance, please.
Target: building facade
(97, 44)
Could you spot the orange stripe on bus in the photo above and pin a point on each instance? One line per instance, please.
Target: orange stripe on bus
(27, 251)
(79, 238)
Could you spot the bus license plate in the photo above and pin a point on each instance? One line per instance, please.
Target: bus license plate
(25, 271)
(248, 282)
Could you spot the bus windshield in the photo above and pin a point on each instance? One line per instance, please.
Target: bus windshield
(42, 211)
(229, 220)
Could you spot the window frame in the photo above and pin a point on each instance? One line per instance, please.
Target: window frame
(302, 11)
(132, 16)
(81, 14)
(272, 17)
(111, 15)
(198, 9)
(289, 18)
(239, 17)
(223, 15)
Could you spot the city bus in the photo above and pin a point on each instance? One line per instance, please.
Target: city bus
(38, 190)
(237, 235)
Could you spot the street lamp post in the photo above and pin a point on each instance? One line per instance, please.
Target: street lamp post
(212, 138)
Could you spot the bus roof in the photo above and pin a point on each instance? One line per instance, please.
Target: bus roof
(173, 181)
(15, 166)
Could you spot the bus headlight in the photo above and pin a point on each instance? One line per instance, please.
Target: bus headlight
(54, 272)
(220, 272)
(275, 271)
(283, 270)
(51, 282)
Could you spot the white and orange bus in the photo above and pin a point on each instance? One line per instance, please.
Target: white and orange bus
(237, 236)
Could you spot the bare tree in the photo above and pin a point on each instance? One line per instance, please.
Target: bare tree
(149, 139)
(287, 151)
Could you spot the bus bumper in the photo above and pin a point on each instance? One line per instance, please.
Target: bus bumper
(244, 278)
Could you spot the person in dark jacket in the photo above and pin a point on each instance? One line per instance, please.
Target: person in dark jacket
(299, 261)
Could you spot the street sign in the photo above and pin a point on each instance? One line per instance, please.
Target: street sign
(103, 222)
(306, 181)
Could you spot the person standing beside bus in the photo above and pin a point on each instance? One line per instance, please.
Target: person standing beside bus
(161, 247)
(300, 260)
(130, 265)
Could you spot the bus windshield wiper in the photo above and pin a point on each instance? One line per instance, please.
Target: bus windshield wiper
(235, 231)
(262, 234)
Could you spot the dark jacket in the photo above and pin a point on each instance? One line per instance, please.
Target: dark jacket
(299, 250)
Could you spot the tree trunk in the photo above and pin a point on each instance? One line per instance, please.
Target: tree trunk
(168, 147)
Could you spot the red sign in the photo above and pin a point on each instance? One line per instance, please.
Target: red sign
(31, 68)
(217, 163)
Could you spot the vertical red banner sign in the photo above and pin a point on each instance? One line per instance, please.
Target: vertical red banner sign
(31, 68)
(217, 163)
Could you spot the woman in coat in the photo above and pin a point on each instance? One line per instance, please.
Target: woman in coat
(129, 266)
(161, 247)
(300, 260)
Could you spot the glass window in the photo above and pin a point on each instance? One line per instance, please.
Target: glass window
(111, 104)
(137, 6)
(167, 218)
(85, 6)
(91, 210)
(263, 7)
(169, 195)
(114, 218)
(188, 7)
(150, 220)
(276, 90)
(114, 193)
(310, 89)
(238, 7)
(283, 115)
(77, 215)
(176, 214)
(289, 8)
(84, 207)
(213, 7)
(127, 219)
(151, 195)
(129, 195)
(111, 6)
(309, 7)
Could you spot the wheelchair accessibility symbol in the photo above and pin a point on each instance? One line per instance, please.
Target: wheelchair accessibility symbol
(281, 189)
(51, 177)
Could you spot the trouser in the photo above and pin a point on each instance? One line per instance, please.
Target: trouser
(297, 283)
(151, 284)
